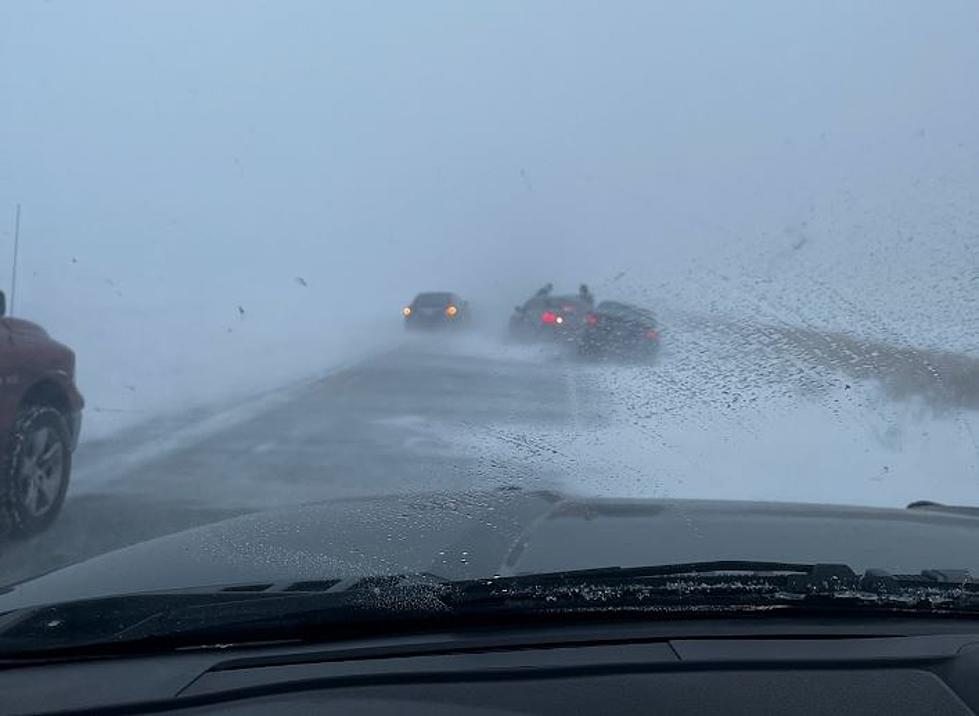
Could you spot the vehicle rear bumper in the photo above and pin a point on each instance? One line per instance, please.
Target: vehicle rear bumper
(533, 333)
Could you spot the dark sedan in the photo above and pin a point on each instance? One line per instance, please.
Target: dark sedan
(619, 330)
(435, 310)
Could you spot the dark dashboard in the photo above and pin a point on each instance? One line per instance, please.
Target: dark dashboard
(839, 666)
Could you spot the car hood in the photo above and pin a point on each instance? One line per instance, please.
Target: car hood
(506, 532)
(19, 325)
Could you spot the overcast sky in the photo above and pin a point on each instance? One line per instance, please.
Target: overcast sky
(199, 151)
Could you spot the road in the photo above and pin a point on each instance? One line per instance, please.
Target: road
(729, 410)
(428, 415)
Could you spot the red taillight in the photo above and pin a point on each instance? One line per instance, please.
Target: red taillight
(548, 317)
(591, 319)
(651, 334)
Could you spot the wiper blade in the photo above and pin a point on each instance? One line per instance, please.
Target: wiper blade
(729, 585)
(690, 585)
(792, 576)
(171, 620)
(420, 602)
(677, 569)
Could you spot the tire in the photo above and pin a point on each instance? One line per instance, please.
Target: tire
(35, 471)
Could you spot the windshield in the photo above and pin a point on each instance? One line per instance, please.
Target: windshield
(214, 217)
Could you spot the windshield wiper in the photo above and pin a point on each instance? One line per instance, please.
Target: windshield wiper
(676, 569)
(791, 576)
(233, 615)
(725, 586)
(420, 602)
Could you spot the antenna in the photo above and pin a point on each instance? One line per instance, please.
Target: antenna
(13, 278)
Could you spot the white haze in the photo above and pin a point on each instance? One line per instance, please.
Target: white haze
(807, 162)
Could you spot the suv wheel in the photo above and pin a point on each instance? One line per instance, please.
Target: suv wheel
(35, 470)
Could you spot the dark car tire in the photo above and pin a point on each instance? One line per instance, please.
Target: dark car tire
(36, 468)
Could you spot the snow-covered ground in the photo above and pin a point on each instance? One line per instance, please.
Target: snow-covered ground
(216, 204)
(778, 422)
(138, 360)
(747, 411)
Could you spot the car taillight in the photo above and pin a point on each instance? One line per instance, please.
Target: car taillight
(548, 317)
(591, 319)
(651, 334)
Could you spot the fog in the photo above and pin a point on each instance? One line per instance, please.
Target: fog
(220, 197)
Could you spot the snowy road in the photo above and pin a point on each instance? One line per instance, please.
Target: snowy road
(730, 410)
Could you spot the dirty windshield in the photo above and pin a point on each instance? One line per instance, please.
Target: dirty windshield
(308, 290)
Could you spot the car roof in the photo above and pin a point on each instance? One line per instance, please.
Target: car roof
(436, 294)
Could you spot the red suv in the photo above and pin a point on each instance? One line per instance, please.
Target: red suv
(40, 418)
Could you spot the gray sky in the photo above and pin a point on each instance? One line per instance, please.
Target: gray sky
(200, 151)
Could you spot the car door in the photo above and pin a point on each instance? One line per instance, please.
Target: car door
(11, 378)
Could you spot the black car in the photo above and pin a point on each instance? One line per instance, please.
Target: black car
(619, 330)
(436, 309)
(548, 317)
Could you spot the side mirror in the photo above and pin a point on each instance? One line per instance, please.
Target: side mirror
(3, 304)
(518, 309)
